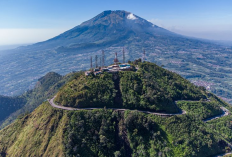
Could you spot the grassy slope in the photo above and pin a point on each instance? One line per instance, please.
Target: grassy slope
(88, 91)
(37, 134)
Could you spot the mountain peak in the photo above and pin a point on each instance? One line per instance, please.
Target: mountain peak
(109, 26)
(111, 16)
(118, 19)
(121, 13)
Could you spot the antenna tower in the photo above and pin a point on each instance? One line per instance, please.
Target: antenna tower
(91, 63)
(116, 58)
(144, 54)
(96, 61)
(100, 62)
(123, 55)
(103, 58)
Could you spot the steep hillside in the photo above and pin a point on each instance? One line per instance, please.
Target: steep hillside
(205, 63)
(52, 132)
(36, 134)
(44, 89)
(151, 87)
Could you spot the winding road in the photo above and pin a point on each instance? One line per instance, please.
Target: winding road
(182, 112)
(225, 113)
(51, 101)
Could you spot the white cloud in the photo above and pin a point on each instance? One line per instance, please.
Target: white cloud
(21, 36)
(131, 16)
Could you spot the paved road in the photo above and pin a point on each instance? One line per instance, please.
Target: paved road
(51, 101)
(225, 111)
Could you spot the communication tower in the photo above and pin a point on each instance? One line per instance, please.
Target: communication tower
(116, 58)
(103, 58)
(123, 55)
(96, 65)
(91, 63)
(144, 55)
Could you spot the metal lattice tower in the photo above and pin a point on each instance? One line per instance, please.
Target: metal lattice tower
(123, 55)
(144, 55)
(91, 63)
(100, 62)
(116, 58)
(96, 65)
(103, 58)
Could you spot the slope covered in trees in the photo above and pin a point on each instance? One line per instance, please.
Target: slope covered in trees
(54, 132)
(149, 88)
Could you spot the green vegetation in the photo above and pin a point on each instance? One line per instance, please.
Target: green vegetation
(200, 109)
(169, 84)
(191, 137)
(223, 125)
(36, 134)
(92, 91)
(150, 88)
(48, 131)
(106, 133)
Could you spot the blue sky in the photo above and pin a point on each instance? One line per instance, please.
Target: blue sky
(29, 21)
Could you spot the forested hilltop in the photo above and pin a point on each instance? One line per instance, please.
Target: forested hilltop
(49, 131)
(149, 88)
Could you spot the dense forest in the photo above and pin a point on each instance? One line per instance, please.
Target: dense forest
(201, 109)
